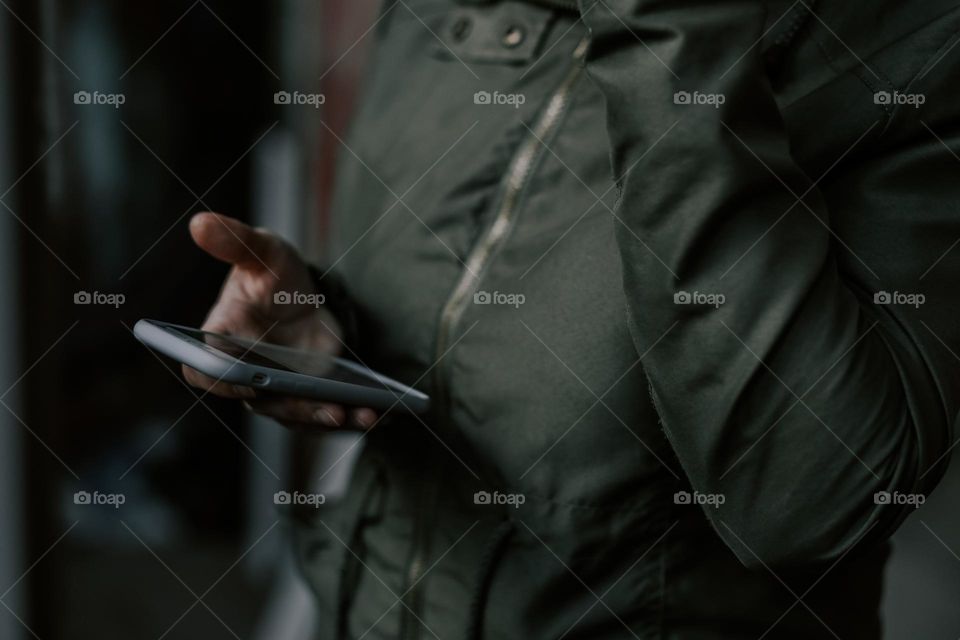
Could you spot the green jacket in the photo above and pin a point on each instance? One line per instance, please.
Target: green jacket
(679, 276)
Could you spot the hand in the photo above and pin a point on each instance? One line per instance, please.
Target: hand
(264, 264)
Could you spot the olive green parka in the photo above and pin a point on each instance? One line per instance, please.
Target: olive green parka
(680, 277)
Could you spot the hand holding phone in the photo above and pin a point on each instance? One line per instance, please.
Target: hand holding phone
(264, 265)
(278, 370)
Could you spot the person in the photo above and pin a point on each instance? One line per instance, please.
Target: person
(680, 279)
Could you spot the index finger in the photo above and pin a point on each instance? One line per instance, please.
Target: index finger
(231, 241)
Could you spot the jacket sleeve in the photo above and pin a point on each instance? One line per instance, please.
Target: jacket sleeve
(794, 396)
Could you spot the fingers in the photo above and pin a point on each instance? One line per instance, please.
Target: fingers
(298, 412)
(232, 241)
(215, 387)
(304, 412)
(364, 418)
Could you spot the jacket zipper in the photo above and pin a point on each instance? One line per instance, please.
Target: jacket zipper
(518, 174)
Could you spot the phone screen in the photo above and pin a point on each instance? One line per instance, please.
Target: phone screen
(274, 356)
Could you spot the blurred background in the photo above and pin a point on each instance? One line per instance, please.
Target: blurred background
(117, 121)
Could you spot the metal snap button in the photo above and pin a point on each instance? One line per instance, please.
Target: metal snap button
(514, 36)
(461, 28)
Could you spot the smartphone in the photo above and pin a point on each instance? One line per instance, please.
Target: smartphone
(278, 369)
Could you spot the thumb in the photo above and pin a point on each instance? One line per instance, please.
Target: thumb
(232, 241)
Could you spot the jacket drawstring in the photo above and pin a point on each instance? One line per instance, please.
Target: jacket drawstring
(349, 569)
(493, 549)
